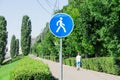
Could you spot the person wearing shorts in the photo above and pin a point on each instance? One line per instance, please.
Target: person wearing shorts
(78, 61)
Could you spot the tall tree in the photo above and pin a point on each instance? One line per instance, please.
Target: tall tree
(96, 29)
(17, 47)
(3, 38)
(100, 20)
(13, 47)
(26, 35)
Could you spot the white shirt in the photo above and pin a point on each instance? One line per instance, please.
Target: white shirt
(78, 58)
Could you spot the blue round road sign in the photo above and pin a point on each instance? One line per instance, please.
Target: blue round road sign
(61, 25)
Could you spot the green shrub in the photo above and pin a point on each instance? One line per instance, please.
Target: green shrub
(101, 64)
(104, 64)
(30, 69)
(53, 58)
(69, 61)
(117, 63)
(47, 57)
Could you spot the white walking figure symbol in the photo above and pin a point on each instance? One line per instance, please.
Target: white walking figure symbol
(61, 25)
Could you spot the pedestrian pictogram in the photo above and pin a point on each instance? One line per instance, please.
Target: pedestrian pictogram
(61, 25)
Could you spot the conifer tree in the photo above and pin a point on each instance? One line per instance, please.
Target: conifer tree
(3, 38)
(26, 35)
(17, 47)
(13, 46)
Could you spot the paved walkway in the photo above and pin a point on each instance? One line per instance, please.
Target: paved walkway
(70, 73)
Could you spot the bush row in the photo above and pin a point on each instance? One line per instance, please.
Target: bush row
(69, 61)
(53, 58)
(103, 64)
(30, 69)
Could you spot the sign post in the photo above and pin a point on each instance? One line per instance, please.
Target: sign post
(61, 25)
(60, 59)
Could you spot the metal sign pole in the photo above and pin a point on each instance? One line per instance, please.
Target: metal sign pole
(61, 25)
(60, 59)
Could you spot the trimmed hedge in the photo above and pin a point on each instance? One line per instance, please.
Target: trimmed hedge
(102, 64)
(53, 58)
(69, 61)
(30, 69)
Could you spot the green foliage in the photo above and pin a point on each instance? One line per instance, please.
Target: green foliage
(7, 68)
(117, 63)
(13, 46)
(30, 69)
(17, 47)
(105, 64)
(53, 58)
(95, 34)
(26, 35)
(46, 44)
(102, 64)
(3, 38)
(69, 61)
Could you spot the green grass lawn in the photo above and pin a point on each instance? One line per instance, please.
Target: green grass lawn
(5, 70)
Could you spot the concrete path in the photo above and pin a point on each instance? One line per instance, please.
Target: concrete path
(70, 73)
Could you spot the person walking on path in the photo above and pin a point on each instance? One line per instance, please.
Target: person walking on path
(78, 61)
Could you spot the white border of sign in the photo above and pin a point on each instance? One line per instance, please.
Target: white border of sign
(69, 32)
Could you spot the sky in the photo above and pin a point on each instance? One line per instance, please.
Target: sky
(39, 11)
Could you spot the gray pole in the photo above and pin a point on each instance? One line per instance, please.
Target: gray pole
(60, 59)
(60, 55)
